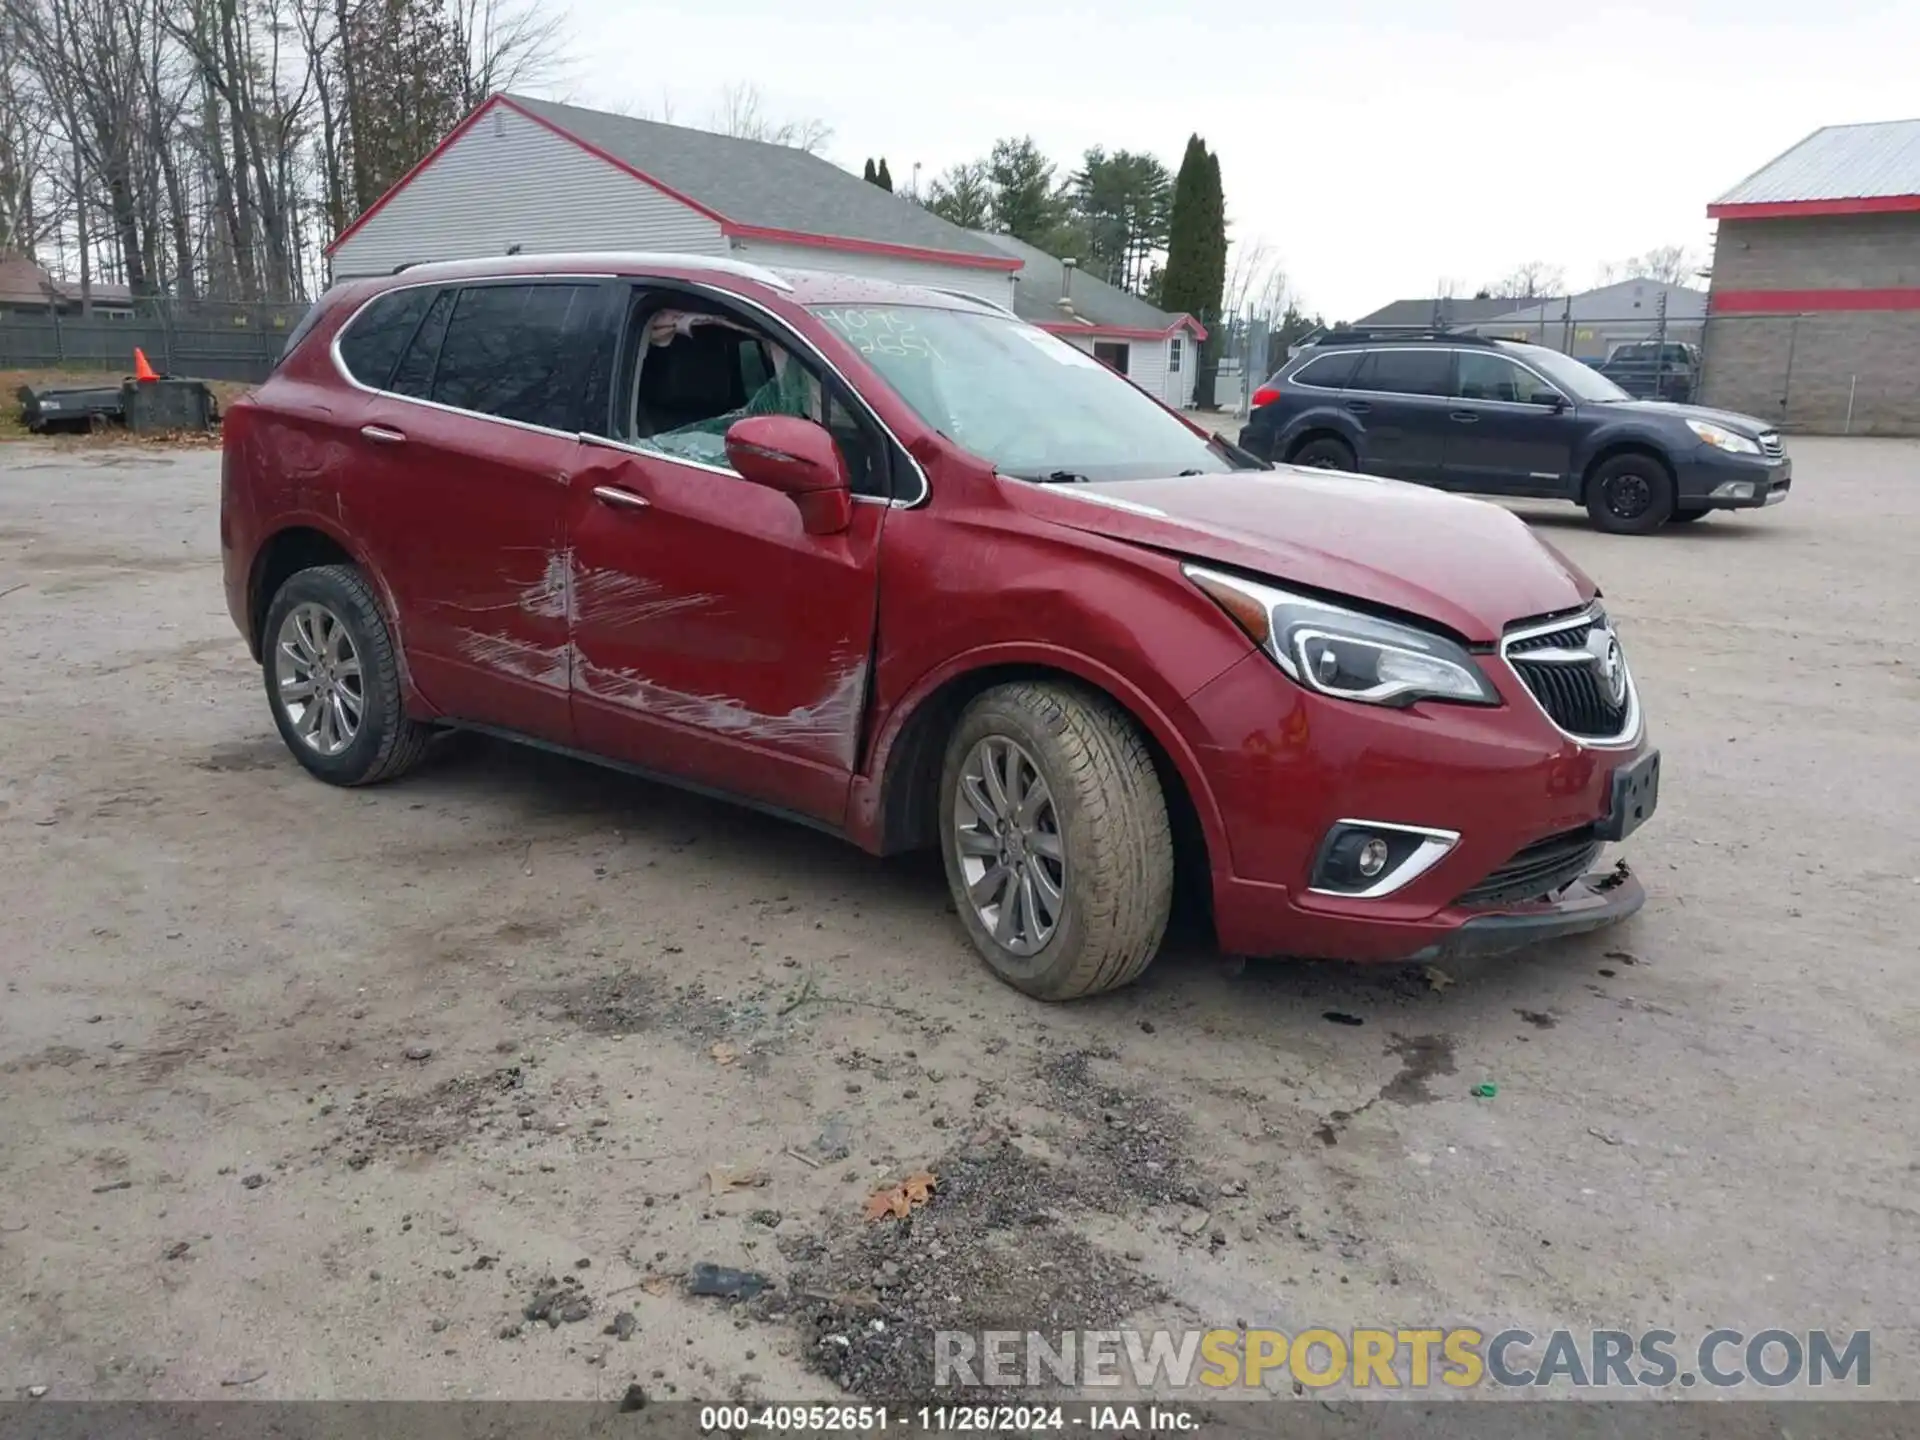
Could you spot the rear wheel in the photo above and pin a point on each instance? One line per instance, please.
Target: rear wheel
(1056, 839)
(333, 679)
(1326, 453)
(1630, 494)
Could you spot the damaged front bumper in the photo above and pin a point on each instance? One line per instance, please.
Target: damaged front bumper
(1592, 902)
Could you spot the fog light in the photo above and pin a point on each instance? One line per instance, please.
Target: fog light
(1373, 857)
(1362, 859)
(1734, 490)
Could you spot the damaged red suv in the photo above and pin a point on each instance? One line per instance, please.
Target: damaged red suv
(891, 562)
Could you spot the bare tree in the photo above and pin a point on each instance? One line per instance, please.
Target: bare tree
(503, 45)
(1530, 280)
(742, 114)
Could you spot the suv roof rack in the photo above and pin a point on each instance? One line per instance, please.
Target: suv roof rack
(994, 305)
(720, 264)
(1374, 334)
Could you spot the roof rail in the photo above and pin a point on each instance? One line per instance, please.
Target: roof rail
(1375, 334)
(725, 264)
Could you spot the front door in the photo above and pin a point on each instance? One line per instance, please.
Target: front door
(1400, 399)
(1506, 439)
(714, 639)
(473, 514)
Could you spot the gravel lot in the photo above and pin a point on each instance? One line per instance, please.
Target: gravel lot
(316, 1093)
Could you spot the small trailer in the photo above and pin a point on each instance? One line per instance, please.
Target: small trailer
(92, 407)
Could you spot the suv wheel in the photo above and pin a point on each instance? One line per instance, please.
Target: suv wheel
(1630, 495)
(333, 680)
(1325, 453)
(1055, 835)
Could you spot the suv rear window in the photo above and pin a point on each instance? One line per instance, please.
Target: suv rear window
(376, 336)
(506, 353)
(1407, 372)
(1328, 372)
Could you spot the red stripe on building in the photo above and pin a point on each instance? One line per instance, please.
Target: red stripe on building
(1813, 209)
(1800, 302)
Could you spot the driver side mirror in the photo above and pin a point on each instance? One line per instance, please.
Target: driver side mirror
(1552, 399)
(799, 459)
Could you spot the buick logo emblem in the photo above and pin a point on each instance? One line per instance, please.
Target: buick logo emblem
(1609, 664)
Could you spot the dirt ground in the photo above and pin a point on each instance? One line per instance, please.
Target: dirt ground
(417, 1091)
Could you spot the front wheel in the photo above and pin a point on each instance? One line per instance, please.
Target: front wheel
(333, 679)
(1054, 830)
(1630, 495)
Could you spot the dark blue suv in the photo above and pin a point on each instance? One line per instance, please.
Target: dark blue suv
(1495, 417)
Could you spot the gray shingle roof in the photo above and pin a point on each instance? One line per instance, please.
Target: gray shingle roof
(1043, 282)
(751, 182)
(1838, 162)
(1453, 311)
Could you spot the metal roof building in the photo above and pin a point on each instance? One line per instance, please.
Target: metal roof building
(1814, 312)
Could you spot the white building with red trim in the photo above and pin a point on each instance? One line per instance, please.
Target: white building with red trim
(528, 175)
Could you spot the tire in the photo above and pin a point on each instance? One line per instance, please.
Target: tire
(1687, 517)
(1101, 837)
(1630, 494)
(331, 611)
(1326, 453)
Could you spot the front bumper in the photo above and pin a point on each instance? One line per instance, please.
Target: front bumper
(1284, 765)
(1714, 480)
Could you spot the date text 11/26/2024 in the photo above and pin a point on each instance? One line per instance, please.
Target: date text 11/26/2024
(942, 1419)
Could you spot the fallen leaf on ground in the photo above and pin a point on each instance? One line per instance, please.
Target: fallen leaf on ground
(657, 1284)
(1438, 979)
(898, 1201)
(720, 1180)
(724, 1053)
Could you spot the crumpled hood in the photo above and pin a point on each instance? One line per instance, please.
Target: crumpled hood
(1465, 564)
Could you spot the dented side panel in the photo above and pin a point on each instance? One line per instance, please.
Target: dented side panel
(714, 639)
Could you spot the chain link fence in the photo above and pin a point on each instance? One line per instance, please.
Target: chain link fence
(206, 340)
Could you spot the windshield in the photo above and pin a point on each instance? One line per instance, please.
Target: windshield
(1034, 406)
(1580, 381)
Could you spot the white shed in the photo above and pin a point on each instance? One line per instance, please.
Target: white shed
(1152, 348)
(536, 176)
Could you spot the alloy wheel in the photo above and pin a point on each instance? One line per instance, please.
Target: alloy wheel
(317, 677)
(1007, 837)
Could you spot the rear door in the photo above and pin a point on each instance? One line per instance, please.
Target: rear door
(1400, 399)
(715, 640)
(476, 434)
(1505, 441)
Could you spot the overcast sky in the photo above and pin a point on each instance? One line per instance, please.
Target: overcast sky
(1378, 146)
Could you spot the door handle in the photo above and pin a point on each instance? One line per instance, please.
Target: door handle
(1466, 417)
(382, 435)
(1359, 407)
(620, 499)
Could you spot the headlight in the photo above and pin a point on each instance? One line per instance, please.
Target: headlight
(1722, 438)
(1346, 654)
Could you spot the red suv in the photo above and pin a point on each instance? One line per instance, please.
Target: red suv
(891, 562)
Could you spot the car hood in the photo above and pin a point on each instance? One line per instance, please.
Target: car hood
(1746, 425)
(1464, 564)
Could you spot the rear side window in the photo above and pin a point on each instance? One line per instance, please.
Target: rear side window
(1328, 372)
(414, 374)
(506, 353)
(374, 339)
(1407, 372)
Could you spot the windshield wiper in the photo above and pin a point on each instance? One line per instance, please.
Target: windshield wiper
(1052, 477)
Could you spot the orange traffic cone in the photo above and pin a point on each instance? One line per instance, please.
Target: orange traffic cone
(142, 371)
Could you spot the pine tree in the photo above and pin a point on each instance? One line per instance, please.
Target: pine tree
(1024, 203)
(964, 196)
(884, 177)
(869, 174)
(1196, 269)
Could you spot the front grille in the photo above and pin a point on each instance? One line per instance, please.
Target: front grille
(1771, 445)
(1540, 869)
(1572, 688)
